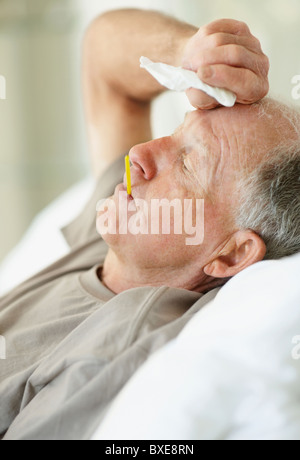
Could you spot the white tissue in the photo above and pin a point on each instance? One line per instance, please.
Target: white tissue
(179, 79)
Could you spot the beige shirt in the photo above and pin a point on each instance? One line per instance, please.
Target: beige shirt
(72, 344)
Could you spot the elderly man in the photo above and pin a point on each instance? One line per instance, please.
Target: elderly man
(76, 332)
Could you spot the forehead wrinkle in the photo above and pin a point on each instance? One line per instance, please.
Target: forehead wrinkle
(236, 147)
(216, 158)
(202, 139)
(246, 149)
(195, 169)
(194, 150)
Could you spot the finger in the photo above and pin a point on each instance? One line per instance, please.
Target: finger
(220, 39)
(200, 100)
(228, 26)
(236, 56)
(247, 85)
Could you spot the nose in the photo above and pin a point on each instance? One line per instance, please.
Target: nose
(150, 158)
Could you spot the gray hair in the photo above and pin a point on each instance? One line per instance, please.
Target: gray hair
(270, 203)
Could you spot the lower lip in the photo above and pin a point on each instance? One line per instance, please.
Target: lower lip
(121, 188)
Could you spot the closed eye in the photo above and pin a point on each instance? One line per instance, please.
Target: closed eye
(185, 165)
(182, 158)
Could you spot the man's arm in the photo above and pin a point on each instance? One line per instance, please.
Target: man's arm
(117, 92)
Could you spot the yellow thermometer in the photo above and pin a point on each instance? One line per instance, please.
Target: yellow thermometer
(128, 176)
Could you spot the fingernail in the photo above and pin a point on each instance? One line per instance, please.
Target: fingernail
(206, 72)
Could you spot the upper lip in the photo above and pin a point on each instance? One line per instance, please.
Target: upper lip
(136, 177)
(125, 181)
(125, 184)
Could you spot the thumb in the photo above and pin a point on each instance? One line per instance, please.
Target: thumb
(201, 100)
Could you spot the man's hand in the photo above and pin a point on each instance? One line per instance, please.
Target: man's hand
(225, 54)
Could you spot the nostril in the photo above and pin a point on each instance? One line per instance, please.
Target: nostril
(142, 161)
(138, 166)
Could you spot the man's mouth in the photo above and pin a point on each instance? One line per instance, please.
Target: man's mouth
(130, 197)
(123, 188)
(122, 197)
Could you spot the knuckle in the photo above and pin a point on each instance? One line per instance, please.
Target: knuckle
(252, 94)
(258, 91)
(266, 63)
(234, 53)
(217, 40)
(265, 88)
(204, 57)
(256, 43)
(263, 65)
(206, 29)
(213, 26)
(242, 27)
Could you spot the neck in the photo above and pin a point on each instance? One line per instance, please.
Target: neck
(118, 277)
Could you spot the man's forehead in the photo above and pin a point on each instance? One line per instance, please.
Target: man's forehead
(191, 115)
(222, 139)
(228, 142)
(240, 126)
(198, 119)
(196, 129)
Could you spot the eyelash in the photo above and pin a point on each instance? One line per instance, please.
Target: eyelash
(184, 167)
(182, 158)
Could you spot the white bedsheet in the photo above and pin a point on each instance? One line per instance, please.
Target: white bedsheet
(232, 374)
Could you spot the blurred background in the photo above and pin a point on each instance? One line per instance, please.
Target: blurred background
(43, 148)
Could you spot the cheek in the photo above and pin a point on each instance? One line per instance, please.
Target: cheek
(169, 184)
(159, 250)
(164, 231)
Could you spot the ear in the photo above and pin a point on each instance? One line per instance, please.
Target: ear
(244, 248)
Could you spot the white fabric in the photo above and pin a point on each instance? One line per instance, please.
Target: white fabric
(44, 243)
(179, 79)
(233, 373)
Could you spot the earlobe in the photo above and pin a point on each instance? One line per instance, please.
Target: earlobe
(244, 248)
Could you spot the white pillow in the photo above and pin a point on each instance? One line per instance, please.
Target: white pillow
(233, 372)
